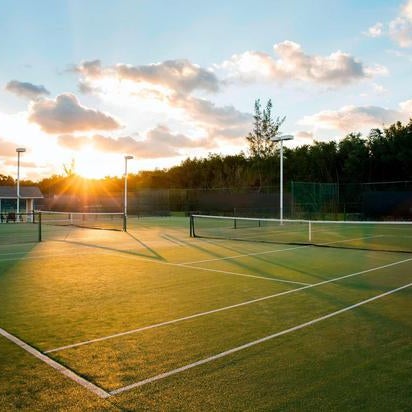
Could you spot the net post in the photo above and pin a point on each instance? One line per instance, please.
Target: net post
(191, 226)
(310, 231)
(39, 223)
(124, 222)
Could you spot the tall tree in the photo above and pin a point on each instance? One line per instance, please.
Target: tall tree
(265, 128)
(261, 146)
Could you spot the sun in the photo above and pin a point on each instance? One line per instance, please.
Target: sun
(92, 164)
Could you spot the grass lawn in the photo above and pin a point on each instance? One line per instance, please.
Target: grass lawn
(162, 321)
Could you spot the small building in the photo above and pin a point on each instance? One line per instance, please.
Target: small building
(28, 197)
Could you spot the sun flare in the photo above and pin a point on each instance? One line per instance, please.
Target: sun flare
(92, 164)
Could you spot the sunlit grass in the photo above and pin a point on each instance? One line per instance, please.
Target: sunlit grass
(97, 283)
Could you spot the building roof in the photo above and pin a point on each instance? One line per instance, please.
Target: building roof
(26, 192)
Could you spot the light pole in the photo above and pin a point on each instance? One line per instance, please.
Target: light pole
(18, 150)
(281, 139)
(126, 158)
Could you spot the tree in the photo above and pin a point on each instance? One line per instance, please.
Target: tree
(6, 180)
(353, 155)
(70, 169)
(261, 146)
(265, 128)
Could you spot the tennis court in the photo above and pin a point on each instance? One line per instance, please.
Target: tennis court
(154, 319)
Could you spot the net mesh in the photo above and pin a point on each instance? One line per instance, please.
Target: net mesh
(106, 221)
(382, 236)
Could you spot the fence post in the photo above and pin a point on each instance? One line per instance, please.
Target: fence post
(40, 234)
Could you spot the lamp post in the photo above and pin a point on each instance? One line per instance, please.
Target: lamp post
(281, 139)
(126, 158)
(18, 150)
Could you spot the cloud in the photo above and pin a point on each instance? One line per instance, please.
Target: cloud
(26, 90)
(293, 64)
(406, 107)
(166, 88)
(304, 135)
(8, 149)
(221, 124)
(69, 141)
(92, 68)
(399, 29)
(379, 89)
(179, 75)
(375, 31)
(66, 115)
(407, 10)
(206, 113)
(358, 118)
(159, 142)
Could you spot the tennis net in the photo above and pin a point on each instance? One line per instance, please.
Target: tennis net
(382, 236)
(100, 220)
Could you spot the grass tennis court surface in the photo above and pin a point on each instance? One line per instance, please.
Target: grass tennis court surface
(155, 320)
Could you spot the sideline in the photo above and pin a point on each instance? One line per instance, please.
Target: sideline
(55, 365)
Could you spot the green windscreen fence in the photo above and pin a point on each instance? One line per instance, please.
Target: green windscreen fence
(312, 199)
(352, 201)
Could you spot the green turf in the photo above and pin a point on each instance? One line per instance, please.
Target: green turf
(87, 284)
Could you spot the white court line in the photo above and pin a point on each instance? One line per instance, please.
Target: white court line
(280, 250)
(245, 255)
(116, 251)
(225, 272)
(253, 343)
(237, 305)
(60, 368)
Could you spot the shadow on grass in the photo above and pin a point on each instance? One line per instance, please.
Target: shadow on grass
(254, 270)
(151, 253)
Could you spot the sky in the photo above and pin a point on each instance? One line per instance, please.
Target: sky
(91, 81)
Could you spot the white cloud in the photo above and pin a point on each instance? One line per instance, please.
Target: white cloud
(65, 115)
(158, 142)
(400, 30)
(375, 31)
(406, 107)
(293, 63)
(379, 89)
(407, 10)
(358, 118)
(178, 75)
